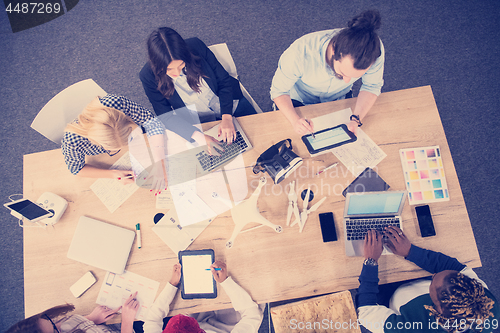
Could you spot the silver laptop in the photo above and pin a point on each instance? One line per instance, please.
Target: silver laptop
(370, 210)
(240, 145)
(101, 245)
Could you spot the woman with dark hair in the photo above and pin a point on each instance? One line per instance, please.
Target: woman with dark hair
(56, 319)
(182, 73)
(323, 66)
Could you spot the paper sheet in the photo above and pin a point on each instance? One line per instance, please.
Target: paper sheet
(356, 156)
(189, 206)
(177, 237)
(164, 200)
(359, 155)
(116, 289)
(111, 192)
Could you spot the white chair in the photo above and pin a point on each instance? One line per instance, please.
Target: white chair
(65, 107)
(222, 54)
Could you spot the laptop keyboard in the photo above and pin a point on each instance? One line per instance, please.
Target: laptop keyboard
(211, 162)
(357, 228)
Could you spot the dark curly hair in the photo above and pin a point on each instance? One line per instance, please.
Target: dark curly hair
(461, 298)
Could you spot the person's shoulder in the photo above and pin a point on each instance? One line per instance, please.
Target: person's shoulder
(195, 44)
(73, 140)
(317, 36)
(112, 101)
(146, 71)
(313, 41)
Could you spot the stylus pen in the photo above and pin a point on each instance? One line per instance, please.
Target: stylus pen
(138, 233)
(312, 133)
(327, 168)
(217, 269)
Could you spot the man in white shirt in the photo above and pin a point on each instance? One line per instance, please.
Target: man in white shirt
(246, 316)
(322, 66)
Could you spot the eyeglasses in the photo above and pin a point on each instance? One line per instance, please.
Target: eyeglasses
(53, 325)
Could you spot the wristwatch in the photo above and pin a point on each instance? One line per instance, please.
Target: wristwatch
(370, 262)
(356, 119)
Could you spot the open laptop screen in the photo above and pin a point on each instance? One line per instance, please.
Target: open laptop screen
(376, 203)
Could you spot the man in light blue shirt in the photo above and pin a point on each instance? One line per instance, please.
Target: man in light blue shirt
(322, 66)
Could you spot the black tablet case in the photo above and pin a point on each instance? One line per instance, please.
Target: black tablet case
(193, 296)
(367, 181)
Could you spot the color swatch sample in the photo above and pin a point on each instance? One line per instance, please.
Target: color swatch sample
(424, 175)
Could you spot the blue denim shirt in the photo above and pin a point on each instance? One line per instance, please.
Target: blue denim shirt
(304, 75)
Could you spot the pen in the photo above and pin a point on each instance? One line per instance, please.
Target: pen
(312, 133)
(138, 233)
(327, 168)
(216, 268)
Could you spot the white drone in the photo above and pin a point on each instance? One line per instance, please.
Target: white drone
(247, 212)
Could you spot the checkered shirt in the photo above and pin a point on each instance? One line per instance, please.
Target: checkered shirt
(75, 322)
(75, 147)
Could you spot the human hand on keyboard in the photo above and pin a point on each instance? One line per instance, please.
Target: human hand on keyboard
(397, 241)
(213, 145)
(373, 245)
(226, 132)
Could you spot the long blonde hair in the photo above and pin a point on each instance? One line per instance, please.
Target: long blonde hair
(103, 125)
(30, 325)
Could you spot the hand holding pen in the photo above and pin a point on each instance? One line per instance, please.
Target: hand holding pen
(124, 176)
(304, 126)
(219, 275)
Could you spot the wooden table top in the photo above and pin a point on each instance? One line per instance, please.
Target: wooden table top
(270, 266)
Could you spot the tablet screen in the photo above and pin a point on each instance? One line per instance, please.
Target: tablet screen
(197, 280)
(328, 138)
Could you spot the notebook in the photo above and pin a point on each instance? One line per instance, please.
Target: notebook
(101, 245)
(370, 210)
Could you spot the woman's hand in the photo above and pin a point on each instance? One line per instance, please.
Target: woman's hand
(303, 126)
(129, 309)
(398, 243)
(123, 176)
(176, 275)
(207, 140)
(219, 276)
(227, 132)
(101, 314)
(158, 177)
(373, 245)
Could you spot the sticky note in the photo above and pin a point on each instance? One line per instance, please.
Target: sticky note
(417, 196)
(428, 195)
(436, 183)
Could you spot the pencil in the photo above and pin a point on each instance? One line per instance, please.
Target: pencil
(327, 168)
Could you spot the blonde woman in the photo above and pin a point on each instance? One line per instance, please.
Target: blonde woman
(58, 319)
(104, 127)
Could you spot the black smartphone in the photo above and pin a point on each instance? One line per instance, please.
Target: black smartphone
(425, 221)
(327, 227)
